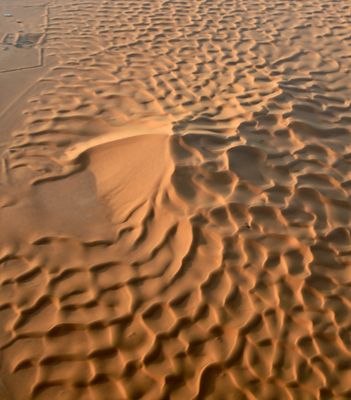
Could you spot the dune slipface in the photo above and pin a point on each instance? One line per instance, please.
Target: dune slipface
(175, 204)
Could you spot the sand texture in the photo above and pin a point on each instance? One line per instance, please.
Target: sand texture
(175, 211)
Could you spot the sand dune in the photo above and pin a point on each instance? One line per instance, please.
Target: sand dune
(175, 208)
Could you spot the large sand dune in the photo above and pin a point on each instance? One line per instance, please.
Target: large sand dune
(175, 212)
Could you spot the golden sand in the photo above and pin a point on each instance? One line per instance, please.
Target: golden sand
(175, 207)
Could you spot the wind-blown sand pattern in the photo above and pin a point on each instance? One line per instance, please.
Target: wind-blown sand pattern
(175, 200)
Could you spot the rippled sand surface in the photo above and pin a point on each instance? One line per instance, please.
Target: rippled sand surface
(175, 206)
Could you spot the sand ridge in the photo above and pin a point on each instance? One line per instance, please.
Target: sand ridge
(175, 204)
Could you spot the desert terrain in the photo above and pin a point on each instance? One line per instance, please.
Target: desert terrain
(175, 210)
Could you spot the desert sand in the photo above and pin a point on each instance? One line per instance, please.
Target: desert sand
(175, 206)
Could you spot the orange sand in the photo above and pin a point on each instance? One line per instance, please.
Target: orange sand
(175, 208)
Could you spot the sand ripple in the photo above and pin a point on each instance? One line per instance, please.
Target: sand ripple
(175, 205)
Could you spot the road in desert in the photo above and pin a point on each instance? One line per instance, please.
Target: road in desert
(175, 208)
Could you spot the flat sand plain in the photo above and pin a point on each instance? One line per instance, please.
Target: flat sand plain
(175, 207)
